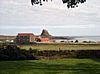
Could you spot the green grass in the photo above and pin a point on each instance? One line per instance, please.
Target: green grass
(62, 46)
(60, 66)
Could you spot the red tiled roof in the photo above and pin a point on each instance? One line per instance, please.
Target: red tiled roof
(25, 34)
(35, 37)
(44, 39)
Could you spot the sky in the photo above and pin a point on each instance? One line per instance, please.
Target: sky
(17, 16)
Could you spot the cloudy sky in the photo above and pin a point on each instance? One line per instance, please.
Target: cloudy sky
(20, 16)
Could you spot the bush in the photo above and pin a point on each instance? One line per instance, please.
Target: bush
(12, 52)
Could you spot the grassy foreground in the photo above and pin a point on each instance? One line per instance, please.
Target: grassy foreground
(62, 46)
(60, 66)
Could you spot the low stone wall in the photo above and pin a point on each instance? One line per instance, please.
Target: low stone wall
(52, 54)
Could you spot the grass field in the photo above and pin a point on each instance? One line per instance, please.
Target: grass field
(62, 46)
(60, 66)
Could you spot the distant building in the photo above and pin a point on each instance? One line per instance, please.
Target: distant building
(8, 39)
(39, 39)
(25, 38)
(44, 39)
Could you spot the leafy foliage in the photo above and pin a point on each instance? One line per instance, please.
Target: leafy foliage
(12, 52)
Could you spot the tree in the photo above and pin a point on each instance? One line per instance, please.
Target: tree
(76, 41)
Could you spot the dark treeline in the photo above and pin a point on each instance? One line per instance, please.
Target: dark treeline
(12, 52)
